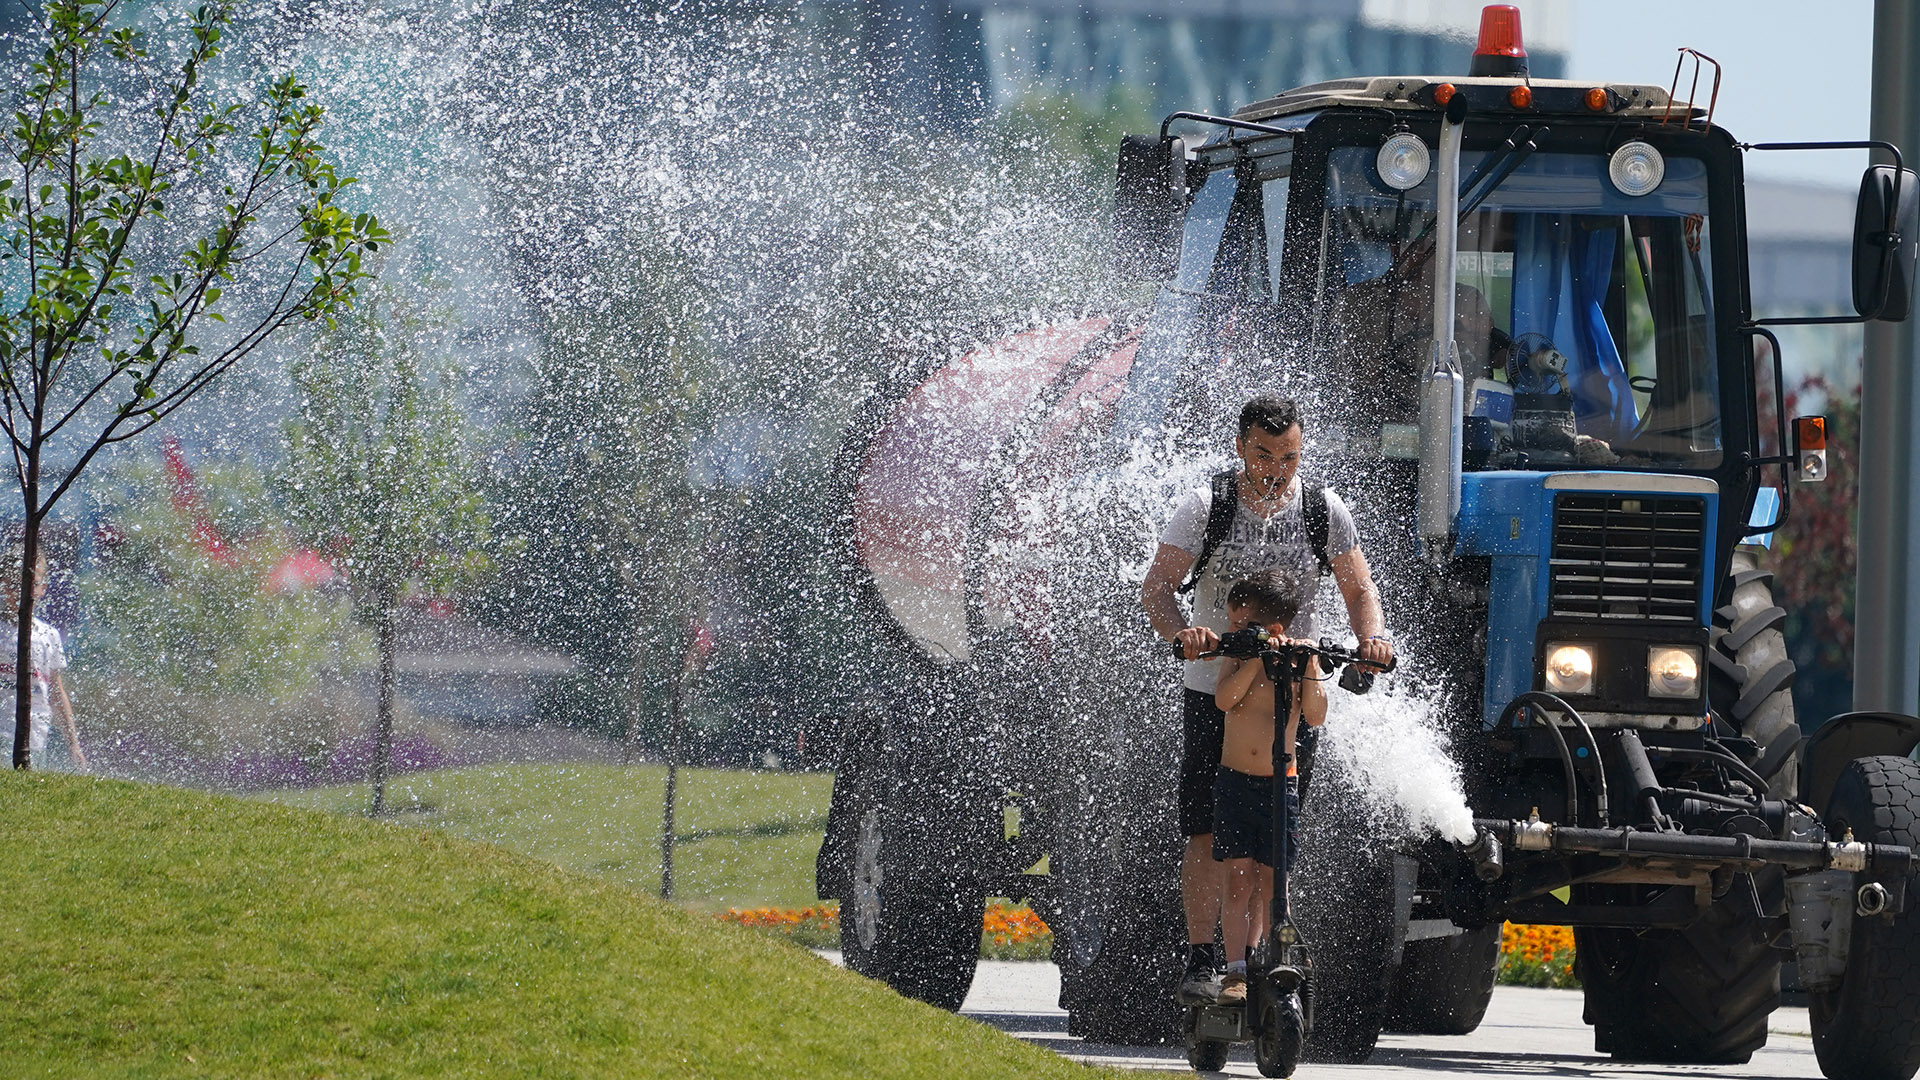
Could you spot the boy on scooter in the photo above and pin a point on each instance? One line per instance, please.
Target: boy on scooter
(1243, 788)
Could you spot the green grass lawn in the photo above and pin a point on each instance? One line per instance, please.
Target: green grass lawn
(155, 932)
(744, 839)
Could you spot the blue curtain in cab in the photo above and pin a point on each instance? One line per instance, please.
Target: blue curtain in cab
(1560, 278)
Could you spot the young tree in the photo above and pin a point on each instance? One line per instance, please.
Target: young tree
(138, 208)
(378, 470)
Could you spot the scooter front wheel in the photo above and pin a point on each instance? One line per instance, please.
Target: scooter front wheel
(1278, 1035)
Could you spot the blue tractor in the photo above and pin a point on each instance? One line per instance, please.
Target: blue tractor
(1518, 311)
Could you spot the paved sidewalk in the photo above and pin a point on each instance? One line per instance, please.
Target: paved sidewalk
(1526, 1033)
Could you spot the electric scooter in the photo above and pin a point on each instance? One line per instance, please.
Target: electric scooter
(1278, 1014)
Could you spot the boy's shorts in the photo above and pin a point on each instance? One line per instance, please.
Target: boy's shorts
(1203, 726)
(1243, 817)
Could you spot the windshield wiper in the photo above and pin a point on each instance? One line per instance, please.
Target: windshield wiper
(1508, 156)
(1511, 156)
(1499, 155)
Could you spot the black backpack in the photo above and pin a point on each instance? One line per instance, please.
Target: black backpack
(1226, 503)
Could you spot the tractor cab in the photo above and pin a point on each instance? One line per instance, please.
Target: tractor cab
(1581, 249)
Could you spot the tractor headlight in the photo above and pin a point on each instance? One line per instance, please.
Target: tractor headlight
(1636, 168)
(1403, 161)
(1569, 668)
(1673, 671)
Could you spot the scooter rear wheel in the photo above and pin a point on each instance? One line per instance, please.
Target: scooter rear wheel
(1206, 1055)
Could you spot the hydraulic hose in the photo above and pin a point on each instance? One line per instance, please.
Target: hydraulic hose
(1649, 788)
(1599, 767)
(1540, 701)
(1529, 702)
(1716, 757)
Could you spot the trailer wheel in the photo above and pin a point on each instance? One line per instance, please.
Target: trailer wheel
(907, 920)
(1445, 983)
(1700, 995)
(895, 856)
(1869, 1028)
(1750, 677)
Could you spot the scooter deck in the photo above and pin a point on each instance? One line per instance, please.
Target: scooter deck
(1220, 1023)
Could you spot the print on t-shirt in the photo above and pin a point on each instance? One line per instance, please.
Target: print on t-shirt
(1254, 545)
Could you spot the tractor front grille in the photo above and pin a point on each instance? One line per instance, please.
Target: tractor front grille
(1627, 557)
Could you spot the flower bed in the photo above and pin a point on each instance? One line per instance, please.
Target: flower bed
(1537, 956)
(1529, 955)
(1009, 931)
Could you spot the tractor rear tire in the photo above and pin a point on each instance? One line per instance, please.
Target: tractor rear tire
(1445, 983)
(1869, 1028)
(1750, 677)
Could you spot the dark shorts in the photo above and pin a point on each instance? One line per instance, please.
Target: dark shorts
(1204, 726)
(1243, 817)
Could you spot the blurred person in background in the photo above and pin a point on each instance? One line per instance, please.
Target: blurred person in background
(49, 662)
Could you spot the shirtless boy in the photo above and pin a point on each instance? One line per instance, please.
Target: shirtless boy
(1243, 788)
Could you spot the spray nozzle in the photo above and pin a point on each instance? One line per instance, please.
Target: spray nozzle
(1484, 852)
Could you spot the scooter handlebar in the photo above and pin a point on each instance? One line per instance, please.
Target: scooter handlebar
(1247, 645)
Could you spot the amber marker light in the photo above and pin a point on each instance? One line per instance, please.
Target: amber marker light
(1597, 99)
(1443, 93)
(1810, 447)
(1811, 432)
(1521, 97)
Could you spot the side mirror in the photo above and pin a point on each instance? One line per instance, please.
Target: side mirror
(1149, 207)
(1884, 241)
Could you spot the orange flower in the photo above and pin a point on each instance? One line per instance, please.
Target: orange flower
(1003, 924)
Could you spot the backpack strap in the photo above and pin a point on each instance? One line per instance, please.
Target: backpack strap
(1313, 509)
(1226, 503)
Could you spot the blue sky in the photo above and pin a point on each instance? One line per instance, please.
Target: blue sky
(1794, 71)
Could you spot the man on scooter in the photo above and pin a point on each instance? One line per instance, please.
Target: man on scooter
(1255, 519)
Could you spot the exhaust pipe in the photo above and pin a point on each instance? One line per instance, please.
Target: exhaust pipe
(1441, 388)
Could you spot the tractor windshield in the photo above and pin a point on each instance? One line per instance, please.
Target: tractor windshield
(1584, 316)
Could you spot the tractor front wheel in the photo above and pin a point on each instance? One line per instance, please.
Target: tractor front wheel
(1869, 1028)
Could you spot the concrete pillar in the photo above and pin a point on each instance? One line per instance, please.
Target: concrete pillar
(1886, 661)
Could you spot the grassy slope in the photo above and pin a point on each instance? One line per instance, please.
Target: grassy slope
(155, 932)
(744, 839)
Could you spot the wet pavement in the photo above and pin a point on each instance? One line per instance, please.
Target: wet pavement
(1526, 1033)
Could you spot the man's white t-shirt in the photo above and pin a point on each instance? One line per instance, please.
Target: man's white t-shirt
(49, 657)
(1254, 545)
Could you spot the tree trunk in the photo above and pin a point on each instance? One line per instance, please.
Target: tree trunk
(676, 712)
(636, 672)
(636, 695)
(387, 635)
(23, 640)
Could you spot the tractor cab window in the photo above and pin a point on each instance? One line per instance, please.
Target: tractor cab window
(1584, 317)
(1236, 222)
(1197, 349)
